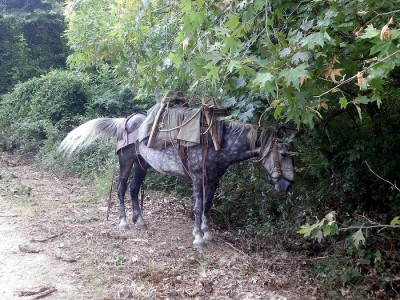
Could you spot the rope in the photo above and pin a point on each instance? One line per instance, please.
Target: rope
(109, 196)
(183, 124)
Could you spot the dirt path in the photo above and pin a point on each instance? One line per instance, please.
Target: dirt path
(157, 263)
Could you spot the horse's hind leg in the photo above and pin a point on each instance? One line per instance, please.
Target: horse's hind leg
(138, 177)
(126, 157)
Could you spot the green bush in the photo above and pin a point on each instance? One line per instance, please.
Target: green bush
(44, 108)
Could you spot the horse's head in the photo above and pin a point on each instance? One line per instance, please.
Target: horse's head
(277, 161)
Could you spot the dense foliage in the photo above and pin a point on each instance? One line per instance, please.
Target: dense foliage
(43, 108)
(31, 44)
(273, 57)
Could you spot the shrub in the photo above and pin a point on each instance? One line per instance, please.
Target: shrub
(44, 107)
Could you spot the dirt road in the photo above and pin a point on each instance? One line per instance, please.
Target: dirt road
(83, 256)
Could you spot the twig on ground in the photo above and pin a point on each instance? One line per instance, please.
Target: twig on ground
(38, 292)
(45, 239)
(64, 256)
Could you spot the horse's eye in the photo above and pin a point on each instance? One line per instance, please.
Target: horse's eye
(283, 150)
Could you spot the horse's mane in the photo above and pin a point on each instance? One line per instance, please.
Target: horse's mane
(255, 133)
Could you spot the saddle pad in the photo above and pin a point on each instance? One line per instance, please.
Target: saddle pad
(177, 123)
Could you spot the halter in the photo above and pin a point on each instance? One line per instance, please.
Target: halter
(273, 148)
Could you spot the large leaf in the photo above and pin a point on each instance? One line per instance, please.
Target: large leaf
(262, 78)
(370, 32)
(358, 238)
(295, 76)
(315, 39)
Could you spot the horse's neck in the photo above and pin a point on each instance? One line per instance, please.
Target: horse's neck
(238, 144)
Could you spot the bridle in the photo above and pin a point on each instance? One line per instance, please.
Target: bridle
(273, 149)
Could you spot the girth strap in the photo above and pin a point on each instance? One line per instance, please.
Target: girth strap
(182, 150)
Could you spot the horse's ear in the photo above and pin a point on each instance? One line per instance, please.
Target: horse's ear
(281, 132)
(158, 95)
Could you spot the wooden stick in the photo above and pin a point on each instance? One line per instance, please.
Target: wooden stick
(109, 196)
(44, 239)
(154, 128)
(210, 123)
(38, 292)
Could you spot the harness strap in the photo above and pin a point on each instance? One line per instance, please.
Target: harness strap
(204, 166)
(182, 151)
(273, 149)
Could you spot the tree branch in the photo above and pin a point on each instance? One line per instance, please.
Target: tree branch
(368, 227)
(355, 76)
(393, 185)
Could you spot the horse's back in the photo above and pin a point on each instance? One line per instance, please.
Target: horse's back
(128, 132)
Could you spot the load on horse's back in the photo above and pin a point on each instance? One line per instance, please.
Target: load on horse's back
(202, 152)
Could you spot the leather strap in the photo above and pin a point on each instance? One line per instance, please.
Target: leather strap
(182, 150)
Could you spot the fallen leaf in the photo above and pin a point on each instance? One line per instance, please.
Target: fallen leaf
(208, 286)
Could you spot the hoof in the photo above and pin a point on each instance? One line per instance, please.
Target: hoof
(140, 224)
(198, 242)
(199, 246)
(208, 238)
(123, 225)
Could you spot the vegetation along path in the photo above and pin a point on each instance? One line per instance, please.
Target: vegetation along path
(83, 256)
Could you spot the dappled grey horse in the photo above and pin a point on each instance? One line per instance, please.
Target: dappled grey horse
(239, 142)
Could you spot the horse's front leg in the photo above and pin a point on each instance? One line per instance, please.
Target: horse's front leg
(198, 211)
(137, 179)
(205, 227)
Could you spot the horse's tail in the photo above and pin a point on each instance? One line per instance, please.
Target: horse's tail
(87, 133)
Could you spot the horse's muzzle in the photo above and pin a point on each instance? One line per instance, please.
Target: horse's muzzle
(283, 185)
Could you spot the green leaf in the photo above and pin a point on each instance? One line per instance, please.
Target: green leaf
(362, 100)
(358, 238)
(231, 43)
(284, 52)
(300, 56)
(196, 18)
(233, 64)
(221, 31)
(305, 230)
(262, 78)
(233, 22)
(278, 111)
(370, 32)
(213, 72)
(343, 102)
(395, 221)
(315, 39)
(294, 75)
(383, 48)
(212, 58)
